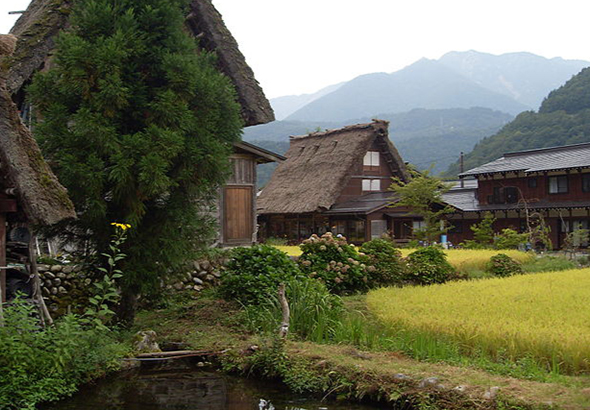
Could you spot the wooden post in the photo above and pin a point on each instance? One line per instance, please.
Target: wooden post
(37, 294)
(284, 329)
(3, 256)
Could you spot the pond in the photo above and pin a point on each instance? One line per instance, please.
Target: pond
(184, 386)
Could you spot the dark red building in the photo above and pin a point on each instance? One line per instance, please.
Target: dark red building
(553, 183)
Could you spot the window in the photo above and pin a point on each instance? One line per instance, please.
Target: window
(511, 195)
(371, 159)
(418, 225)
(371, 185)
(586, 183)
(532, 182)
(378, 228)
(456, 227)
(558, 185)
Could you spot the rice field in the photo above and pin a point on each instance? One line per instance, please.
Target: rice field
(464, 260)
(544, 317)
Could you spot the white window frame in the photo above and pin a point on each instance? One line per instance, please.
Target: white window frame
(371, 159)
(371, 185)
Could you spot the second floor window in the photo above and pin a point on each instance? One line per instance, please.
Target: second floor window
(558, 185)
(371, 159)
(586, 183)
(371, 185)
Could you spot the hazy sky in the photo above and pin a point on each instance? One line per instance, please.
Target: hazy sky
(300, 46)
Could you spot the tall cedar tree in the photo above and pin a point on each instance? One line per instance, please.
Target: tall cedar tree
(138, 124)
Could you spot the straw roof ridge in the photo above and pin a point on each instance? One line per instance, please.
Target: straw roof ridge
(319, 166)
(44, 200)
(39, 26)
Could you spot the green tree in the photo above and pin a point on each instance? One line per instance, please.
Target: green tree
(423, 195)
(138, 124)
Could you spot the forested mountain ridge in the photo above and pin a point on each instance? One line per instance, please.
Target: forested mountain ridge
(563, 119)
(424, 84)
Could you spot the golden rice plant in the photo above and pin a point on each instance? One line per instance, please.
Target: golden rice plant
(465, 260)
(544, 316)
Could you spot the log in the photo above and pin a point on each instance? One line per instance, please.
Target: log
(174, 353)
(284, 329)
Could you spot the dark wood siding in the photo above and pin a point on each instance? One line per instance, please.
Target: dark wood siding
(238, 213)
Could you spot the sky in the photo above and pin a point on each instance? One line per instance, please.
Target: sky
(300, 46)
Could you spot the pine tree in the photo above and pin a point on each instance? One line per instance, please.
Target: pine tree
(138, 124)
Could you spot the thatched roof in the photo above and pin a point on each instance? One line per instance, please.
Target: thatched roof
(38, 26)
(319, 166)
(43, 199)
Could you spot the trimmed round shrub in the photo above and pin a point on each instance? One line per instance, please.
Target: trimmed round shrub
(427, 266)
(503, 265)
(334, 262)
(255, 273)
(387, 260)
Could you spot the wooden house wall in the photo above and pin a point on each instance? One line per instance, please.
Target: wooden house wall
(354, 187)
(237, 203)
(541, 191)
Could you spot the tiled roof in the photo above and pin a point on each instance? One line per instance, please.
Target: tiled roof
(538, 160)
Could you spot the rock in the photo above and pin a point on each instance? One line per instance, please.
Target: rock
(56, 268)
(54, 291)
(202, 274)
(45, 291)
(145, 342)
(197, 281)
(43, 268)
(178, 286)
(61, 275)
(210, 278)
(205, 265)
(217, 274)
(429, 382)
(49, 275)
(188, 287)
(48, 283)
(56, 282)
(491, 393)
(67, 269)
(77, 268)
(461, 388)
(87, 281)
(400, 376)
(200, 364)
(61, 290)
(197, 266)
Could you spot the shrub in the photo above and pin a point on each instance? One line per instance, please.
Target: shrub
(503, 265)
(387, 260)
(47, 364)
(510, 239)
(548, 264)
(254, 273)
(427, 266)
(335, 263)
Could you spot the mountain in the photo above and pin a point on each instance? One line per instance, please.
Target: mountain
(287, 105)
(423, 137)
(563, 119)
(525, 77)
(424, 84)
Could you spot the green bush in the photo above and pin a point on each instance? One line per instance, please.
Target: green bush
(548, 264)
(427, 266)
(387, 260)
(40, 365)
(503, 265)
(510, 239)
(335, 263)
(254, 274)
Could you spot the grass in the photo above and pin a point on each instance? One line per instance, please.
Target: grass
(541, 317)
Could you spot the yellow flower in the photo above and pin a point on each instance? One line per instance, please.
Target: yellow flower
(124, 227)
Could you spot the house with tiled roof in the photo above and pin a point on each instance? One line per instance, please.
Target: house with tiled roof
(548, 183)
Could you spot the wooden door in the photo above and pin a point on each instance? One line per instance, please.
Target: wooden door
(238, 214)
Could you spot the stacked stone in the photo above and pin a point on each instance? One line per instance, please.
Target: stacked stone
(58, 280)
(204, 274)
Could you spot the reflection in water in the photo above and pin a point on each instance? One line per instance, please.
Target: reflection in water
(178, 386)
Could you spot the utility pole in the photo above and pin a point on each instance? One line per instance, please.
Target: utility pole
(461, 170)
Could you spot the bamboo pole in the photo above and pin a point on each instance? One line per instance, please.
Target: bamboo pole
(37, 294)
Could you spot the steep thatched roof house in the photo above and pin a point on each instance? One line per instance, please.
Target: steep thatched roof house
(335, 181)
(44, 19)
(29, 191)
